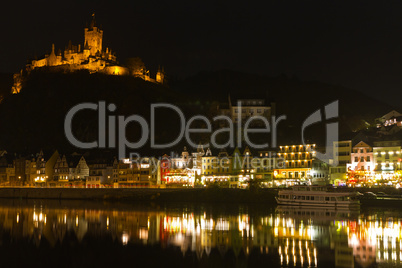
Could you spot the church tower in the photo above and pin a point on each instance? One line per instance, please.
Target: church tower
(93, 37)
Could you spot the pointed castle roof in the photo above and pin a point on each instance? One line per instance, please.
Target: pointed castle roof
(93, 22)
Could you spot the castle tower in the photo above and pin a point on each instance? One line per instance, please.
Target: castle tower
(52, 59)
(86, 50)
(93, 37)
(160, 75)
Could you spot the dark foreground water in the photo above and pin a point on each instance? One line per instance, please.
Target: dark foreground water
(95, 234)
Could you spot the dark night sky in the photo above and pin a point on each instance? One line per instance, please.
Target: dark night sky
(353, 43)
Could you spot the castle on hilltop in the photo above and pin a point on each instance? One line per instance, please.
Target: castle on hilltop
(91, 56)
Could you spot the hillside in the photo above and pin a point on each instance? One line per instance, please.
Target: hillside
(33, 119)
(294, 98)
(6, 82)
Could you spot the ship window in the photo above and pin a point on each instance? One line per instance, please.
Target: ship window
(303, 197)
(333, 199)
(326, 198)
(311, 197)
(307, 197)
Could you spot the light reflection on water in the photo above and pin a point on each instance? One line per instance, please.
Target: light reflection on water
(305, 237)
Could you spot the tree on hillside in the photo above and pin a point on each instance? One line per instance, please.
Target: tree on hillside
(136, 66)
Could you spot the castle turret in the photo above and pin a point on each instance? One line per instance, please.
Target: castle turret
(86, 50)
(160, 75)
(52, 59)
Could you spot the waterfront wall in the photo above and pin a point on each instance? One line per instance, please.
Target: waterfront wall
(144, 194)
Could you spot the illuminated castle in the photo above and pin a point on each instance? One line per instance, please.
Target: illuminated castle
(90, 56)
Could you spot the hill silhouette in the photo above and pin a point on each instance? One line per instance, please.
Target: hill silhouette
(294, 98)
(6, 81)
(34, 119)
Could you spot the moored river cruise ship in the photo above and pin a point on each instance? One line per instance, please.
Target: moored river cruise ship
(317, 196)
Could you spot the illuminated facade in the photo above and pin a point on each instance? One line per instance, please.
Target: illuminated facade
(387, 159)
(362, 165)
(297, 161)
(242, 168)
(142, 173)
(362, 157)
(216, 168)
(37, 174)
(181, 171)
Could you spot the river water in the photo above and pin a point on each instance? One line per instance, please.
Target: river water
(96, 234)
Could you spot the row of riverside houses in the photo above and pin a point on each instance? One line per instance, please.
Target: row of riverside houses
(197, 169)
(363, 159)
(290, 164)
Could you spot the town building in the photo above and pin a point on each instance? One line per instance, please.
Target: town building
(7, 169)
(241, 109)
(263, 168)
(390, 119)
(100, 173)
(37, 173)
(22, 170)
(182, 172)
(341, 157)
(341, 152)
(70, 171)
(216, 169)
(387, 160)
(297, 164)
(242, 169)
(319, 172)
(140, 173)
(361, 167)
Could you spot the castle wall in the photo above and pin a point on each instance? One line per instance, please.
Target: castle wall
(39, 63)
(115, 70)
